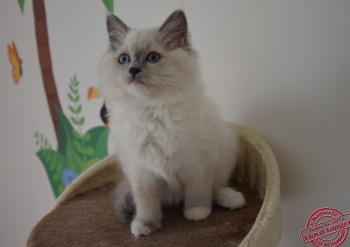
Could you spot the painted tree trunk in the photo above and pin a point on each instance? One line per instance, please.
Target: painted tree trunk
(42, 41)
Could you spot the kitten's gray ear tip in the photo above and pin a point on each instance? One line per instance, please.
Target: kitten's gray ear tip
(114, 22)
(110, 17)
(179, 12)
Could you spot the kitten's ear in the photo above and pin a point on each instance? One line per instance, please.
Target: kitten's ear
(173, 32)
(117, 31)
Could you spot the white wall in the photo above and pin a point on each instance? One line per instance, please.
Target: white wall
(281, 68)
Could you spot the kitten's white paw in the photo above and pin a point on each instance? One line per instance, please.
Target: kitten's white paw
(197, 213)
(140, 228)
(229, 198)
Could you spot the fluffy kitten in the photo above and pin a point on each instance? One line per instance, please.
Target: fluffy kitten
(171, 142)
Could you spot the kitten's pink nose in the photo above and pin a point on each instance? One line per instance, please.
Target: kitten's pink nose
(134, 70)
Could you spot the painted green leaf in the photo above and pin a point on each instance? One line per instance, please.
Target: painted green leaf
(74, 120)
(81, 121)
(74, 81)
(78, 146)
(109, 5)
(87, 137)
(73, 157)
(86, 152)
(89, 151)
(73, 89)
(78, 122)
(54, 163)
(88, 164)
(21, 5)
(65, 131)
(75, 110)
(66, 136)
(99, 140)
(41, 141)
(102, 144)
(76, 135)
(73, 98)
(78, 110)
(72, 109)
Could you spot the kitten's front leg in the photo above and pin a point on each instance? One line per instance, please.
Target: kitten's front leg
(146, 192)
(198, 194)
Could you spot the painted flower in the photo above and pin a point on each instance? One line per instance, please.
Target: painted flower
(68, 176)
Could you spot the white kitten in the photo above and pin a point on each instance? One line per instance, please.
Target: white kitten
(170, 139)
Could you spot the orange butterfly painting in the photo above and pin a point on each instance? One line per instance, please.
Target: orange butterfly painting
(15, 61)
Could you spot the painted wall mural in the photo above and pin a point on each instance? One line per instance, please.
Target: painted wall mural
(76, 150)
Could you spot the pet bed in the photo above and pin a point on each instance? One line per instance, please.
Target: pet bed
(84, 214)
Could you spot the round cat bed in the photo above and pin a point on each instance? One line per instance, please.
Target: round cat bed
(84, 214)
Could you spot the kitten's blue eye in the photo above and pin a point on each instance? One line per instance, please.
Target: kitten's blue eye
(153, 57)
(124, 58)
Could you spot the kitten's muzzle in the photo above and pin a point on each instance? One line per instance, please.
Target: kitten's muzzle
(134, 71)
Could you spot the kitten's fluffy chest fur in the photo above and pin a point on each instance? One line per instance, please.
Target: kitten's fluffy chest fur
(155, 135)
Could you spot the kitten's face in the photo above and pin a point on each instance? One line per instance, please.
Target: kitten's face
(150, 63)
